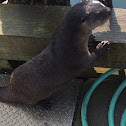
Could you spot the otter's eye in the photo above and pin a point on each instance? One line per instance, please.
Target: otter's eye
(83, 19)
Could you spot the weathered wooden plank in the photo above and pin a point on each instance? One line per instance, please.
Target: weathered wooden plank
(114, 58)
(4, 64)
(30, 21)
(95, 72)
(21, 48)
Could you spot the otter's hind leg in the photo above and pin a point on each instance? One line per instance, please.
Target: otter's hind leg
(46, 103)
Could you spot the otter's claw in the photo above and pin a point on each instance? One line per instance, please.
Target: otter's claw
(101, 48)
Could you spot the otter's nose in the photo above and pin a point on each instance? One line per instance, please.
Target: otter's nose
(109, 10)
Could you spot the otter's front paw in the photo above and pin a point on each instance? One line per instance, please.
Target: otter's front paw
(101, 48)
(91, 40)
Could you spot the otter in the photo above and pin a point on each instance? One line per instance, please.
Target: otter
(62, 60)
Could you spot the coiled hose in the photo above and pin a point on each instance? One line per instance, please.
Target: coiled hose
(112, 103)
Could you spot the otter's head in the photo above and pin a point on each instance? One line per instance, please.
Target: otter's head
(96, 14)
(88, 15)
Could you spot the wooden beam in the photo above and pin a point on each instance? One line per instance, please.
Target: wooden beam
(4, 64)
(26, 30)
(21, 48)
(30, 21)
(114, 58)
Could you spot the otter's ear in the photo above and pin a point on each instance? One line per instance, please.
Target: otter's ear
(83, 19)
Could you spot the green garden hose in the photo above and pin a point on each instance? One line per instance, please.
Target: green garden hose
(123, 119)
(89, 93)
(113, 103)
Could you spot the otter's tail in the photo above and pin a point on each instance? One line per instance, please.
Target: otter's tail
(4, 94)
